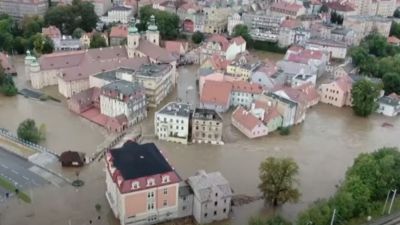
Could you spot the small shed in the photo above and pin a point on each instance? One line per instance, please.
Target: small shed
(72, 159)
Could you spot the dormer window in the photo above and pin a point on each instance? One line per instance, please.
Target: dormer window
(151, 182)
(135, 185)
(165, 179)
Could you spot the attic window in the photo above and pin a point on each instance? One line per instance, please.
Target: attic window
(67, 62)
(135, 185)
(79, 74)
(52, 64)
(165, 179)
(151, 182)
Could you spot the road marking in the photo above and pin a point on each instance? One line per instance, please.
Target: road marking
(25, 177)
(14, 171)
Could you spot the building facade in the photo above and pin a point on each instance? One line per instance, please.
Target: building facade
(141, 186)
(20, 9)
(171, 123)
(207, 126)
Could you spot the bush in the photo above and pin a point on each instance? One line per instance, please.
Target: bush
(28, 131)
(284, 131)
(268, 46)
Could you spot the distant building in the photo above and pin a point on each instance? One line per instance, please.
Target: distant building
(101, 6)
(118, 35)
(19, 9)
(335, 49)
(6, 64)
(243, 93)
(243, 66)
(389, 105)
(364, 25)
(142, 187)
(216, 95)
(302, 78)
(287, 9)
(207, 126)
(219, 45)
(212, 197)
(337, 92)
(171, 123)
(61, 42)
(233, 21)
(87, 37)
(263, 27)
(117, 14)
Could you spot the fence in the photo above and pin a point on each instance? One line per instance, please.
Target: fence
(5, 133)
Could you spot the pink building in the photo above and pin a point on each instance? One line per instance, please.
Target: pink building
(6, 64)
(142, 187)
(337, 92)
(248, 124)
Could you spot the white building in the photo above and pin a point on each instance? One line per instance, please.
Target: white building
(302, 78)
(118, 14)
(212, 196)
(123, 98)
(233, 21)
(389, 105)
(171, 123)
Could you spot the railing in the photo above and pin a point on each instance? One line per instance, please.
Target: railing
(7, 134)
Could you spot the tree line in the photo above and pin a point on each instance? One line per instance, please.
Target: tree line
(362, 193)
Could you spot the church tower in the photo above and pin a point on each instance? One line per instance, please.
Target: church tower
(152, 33)
(133, 38)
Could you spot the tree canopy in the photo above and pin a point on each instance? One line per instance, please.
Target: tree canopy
(197, 37)
(168, 23)
(364, 94)
(97, 41)
(7, 86)
(365, 186)
(278, 181)
(242, 30)
(336, 18)
(27, 130)
(275, 220)
(67, 18)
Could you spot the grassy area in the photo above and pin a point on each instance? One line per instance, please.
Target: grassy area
(11, 187)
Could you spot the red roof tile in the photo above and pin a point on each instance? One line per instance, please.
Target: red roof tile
(246, 119)
(119, 31)
(216, 92)
(244, 86)
(51, 32)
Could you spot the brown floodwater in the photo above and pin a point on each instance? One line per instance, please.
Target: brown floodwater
(323, 146)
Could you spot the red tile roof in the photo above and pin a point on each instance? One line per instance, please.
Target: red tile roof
(340, 6)
(216, 92)
(244, 86)
(305, 55)
(270, 114)
(310, 92)
(154, 51)
(119, 31)
(345, 83)
(221, 40)
(175, 46)
(291, 23)
(286, 6)
(246, 119)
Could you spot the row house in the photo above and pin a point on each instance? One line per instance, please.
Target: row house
(243, 66)
(171, 123)
(207, 126)
(118, 35)
(243, 93)
(221, 46)
(216, 19)
(248, 124)
(375, 7)
(305, 61)
(337, 92)
(287, 9)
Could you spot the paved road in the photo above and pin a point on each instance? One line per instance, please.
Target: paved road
(17, 170)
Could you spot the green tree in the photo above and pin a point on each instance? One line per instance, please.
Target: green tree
(336, 18)
(48, 46)
(242, 30)
(391, 83)
(27, 130)
(30, 25)
(278, 180)
(97, 41)
(7, 86)
(168, 23)
(324, 8)
(319, 213)
(78, 32)
(197, 37)
(396, 13)
(364, 94)
(275, 220)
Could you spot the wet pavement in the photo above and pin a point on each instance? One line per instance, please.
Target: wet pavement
(323, 146)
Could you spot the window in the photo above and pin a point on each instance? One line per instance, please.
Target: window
(150, 206)
(224, 210)
(165, 179)
(151, 182)
(135, 185)
(215, 203)
(216, 194)
(165, 191)
(150, 194)
(205, 215)
(165, 203)
(183, 208)
(215, 213)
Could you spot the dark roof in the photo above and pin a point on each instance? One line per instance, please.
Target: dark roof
(281, 99)
(112, 74)
(123, 86)
(184, 189)
(70, 156)
(206, 114)
(177, 109)
(134, 160)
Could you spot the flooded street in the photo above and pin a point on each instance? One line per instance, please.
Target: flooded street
(323, 146)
